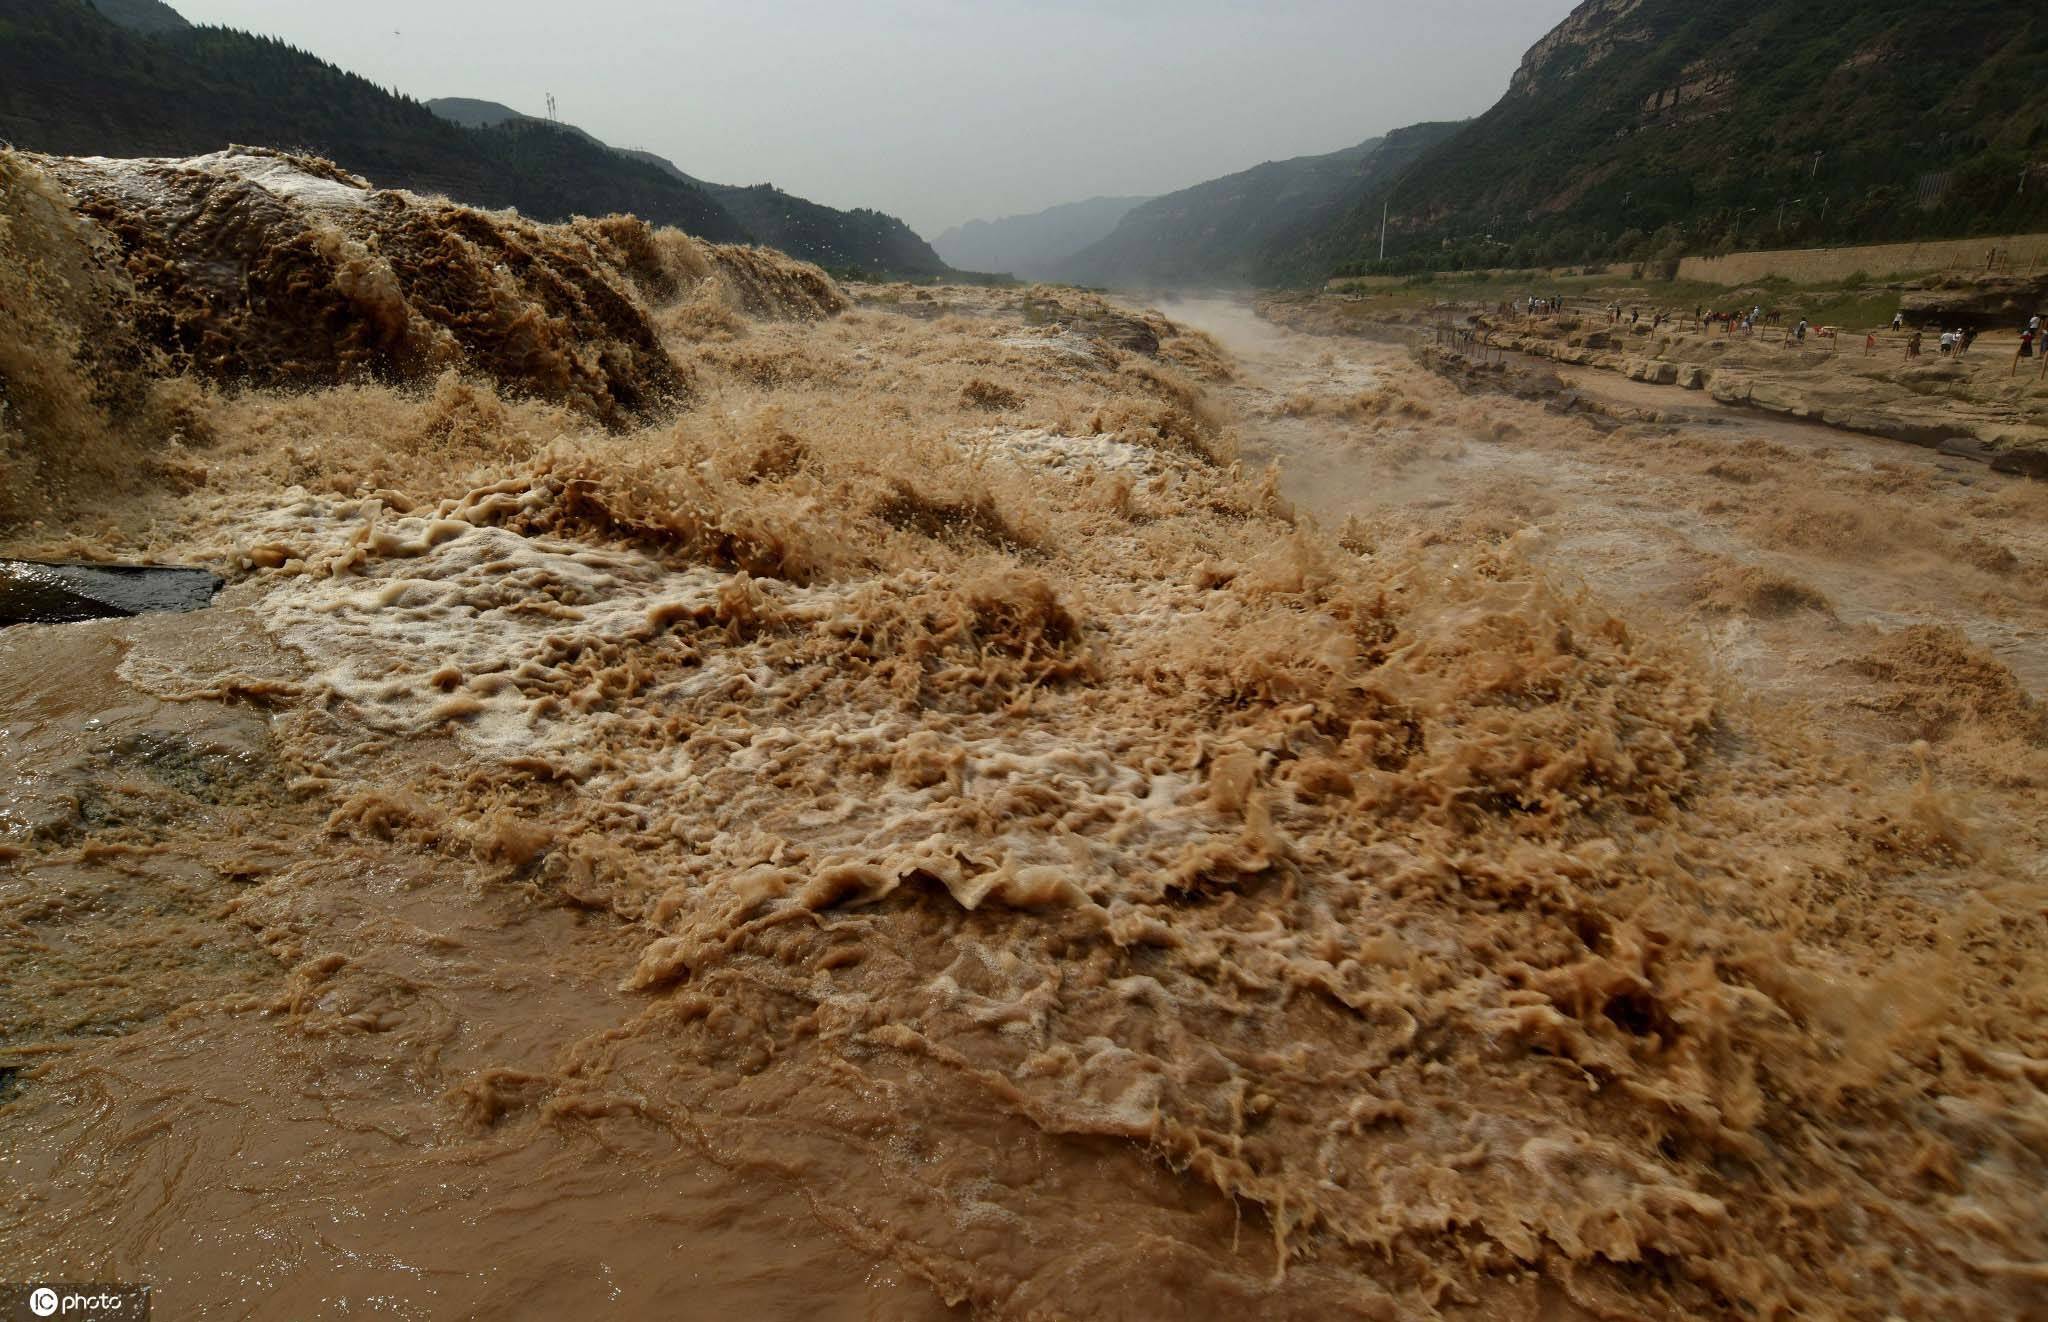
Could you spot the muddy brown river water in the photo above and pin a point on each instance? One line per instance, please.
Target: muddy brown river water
(1575, 871)
(1858, 536)
(296, 1134)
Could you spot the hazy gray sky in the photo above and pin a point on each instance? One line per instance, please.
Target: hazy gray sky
(934, 110)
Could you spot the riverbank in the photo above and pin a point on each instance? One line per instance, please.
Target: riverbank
(1975, 404)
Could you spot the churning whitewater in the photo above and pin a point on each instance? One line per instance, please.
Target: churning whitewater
(711, 791)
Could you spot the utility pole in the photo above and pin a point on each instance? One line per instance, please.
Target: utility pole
(1386, 207)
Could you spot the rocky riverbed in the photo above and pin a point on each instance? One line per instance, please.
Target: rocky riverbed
(1982, 403)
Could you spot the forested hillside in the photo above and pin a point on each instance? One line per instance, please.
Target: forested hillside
(142, 15)
(1647, 127)
(859, 240)
(73, 82)
(1217, 232)
(854, 240)
(1261, 226)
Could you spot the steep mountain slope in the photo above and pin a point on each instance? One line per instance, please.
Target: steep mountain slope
(859, 239)
(142, 15)
(1232, 230)
(1743, 122)
(474, 113)
(1306, 252)
(73, 82)
(1033, 246)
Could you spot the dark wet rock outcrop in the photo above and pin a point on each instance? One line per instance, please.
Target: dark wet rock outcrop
(36, 592)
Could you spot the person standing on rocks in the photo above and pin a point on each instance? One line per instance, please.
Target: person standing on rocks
(1913, 347)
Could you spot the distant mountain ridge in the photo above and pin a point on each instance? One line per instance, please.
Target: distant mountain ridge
(132, 78)
(1648, 129)
(1308, 251)
(1247, 228)
(142, 15)
(74, 82)
(857, 239)
(1033, 246)
(1645, 127)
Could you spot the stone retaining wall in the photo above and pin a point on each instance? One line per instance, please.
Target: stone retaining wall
(2018, 254)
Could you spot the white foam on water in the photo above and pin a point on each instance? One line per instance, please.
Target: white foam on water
(447, 623)
(1040, 447)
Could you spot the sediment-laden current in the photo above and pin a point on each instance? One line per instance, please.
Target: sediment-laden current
(706, 794)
